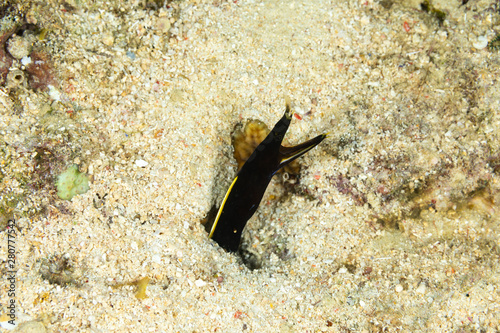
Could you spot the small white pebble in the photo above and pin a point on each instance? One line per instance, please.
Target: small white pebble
(141, 163)
(200, 283)
(362, 304)
(26, 61)
(342, 270)
(481, 43)
(421, 288)
(54, 93)
(399, 288)
(156, 259)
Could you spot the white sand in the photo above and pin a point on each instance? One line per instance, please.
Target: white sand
(394, 226)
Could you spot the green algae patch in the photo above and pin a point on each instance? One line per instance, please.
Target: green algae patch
(71, 182)
(141, 284)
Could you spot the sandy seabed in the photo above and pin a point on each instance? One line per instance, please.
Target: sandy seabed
(393, 225)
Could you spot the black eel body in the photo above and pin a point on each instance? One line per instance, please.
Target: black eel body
(247, 189)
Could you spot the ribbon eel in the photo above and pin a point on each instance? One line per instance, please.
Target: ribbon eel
(247, 189)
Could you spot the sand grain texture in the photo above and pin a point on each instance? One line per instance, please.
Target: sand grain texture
(393, 227)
